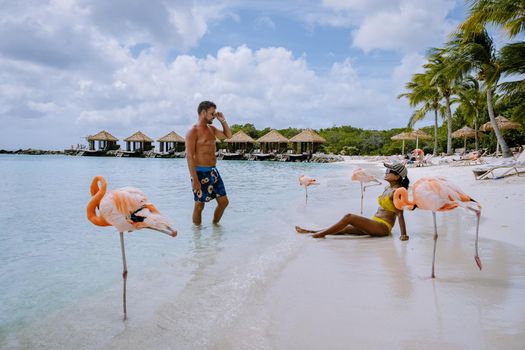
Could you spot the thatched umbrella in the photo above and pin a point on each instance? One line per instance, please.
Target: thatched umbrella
(173, 139)
(143, 140)
(420, 134)
(307, 138)
(403, 136)
(104, 138)
(503, 124)
(240, 138)
(464, 132)
(273, 137)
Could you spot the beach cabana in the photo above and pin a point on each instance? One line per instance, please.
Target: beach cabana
(503, 124)
(138, 142)
(273, 142)
(240, 141)
(307, 141)
(465, 132)
(420, 134)
(171, 142)
(106, 141)
(403, 136)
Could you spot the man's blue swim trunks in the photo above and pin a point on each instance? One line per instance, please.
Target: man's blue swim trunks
(211, 184)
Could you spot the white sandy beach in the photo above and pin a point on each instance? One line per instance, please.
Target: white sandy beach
(363, 293)
(343, 292)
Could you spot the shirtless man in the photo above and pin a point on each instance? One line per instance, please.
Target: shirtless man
(200, 153)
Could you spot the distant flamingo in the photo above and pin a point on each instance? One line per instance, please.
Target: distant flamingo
(126, 209)
(363, 177)
(438, 194)
(307, 181)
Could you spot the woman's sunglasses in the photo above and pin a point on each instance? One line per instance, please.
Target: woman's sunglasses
(389, 171)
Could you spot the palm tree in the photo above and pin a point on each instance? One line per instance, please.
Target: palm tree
(512, 60)
(422, 93)
(471, 99)
(445, 81)
(510, 14)
(476, 52)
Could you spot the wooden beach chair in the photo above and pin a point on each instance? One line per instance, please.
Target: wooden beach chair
(502, 168)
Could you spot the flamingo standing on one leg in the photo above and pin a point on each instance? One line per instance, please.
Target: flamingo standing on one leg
(307, 181)
(363, 177)
(126, 209)
(438, 194)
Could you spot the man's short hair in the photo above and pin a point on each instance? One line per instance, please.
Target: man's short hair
(205, 105)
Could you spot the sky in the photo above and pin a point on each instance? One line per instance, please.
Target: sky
(71, 68)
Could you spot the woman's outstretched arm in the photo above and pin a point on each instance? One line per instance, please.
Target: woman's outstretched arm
(402, 227)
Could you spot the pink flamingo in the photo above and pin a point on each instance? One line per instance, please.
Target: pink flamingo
(126, 209)
(438, 194)
(307, 181)
(363, 177)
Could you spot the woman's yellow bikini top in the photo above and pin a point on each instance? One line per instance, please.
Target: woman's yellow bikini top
(385, 201)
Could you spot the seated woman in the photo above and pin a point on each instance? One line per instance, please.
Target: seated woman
(381, 223)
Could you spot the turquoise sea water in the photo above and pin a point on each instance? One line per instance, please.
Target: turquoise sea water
(55, 265)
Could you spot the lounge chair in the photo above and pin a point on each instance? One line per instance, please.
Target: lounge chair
(503, 167)
(471, 158)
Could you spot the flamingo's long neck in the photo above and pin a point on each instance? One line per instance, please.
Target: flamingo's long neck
(401, 200)
(97, 194)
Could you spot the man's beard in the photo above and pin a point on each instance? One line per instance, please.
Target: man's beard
(209, 122)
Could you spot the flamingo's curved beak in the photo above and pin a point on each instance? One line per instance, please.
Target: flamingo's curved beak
(169, 231)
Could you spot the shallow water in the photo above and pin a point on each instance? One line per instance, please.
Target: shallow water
(54, 263)
(249, 283)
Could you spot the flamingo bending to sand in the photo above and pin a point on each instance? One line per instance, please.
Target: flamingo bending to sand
(307, 181)
(363, 177)
(126, 209)
(438, 194)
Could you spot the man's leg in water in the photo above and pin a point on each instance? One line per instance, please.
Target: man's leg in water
(222, 203)
(359, 225)
(197, 213)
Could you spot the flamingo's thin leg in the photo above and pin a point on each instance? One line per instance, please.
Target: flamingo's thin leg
(476, 257)
(435, 243)
(362, 190)
(124, 273)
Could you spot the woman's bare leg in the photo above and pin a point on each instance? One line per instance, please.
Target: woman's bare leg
(354, 224)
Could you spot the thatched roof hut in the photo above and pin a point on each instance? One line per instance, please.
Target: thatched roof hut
(138, 137)
(106, 141)
(273, 141)
(171, 137)
(102, 136)
(308, 135)
(139, 141)
(239, 141)
(171, 141)
(240, 137)
(307, 141)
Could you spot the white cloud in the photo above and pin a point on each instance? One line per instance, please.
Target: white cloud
(413, 26)
(411, 64)
(67, 70)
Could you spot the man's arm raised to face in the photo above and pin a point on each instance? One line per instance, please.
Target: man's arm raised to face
(226, 132)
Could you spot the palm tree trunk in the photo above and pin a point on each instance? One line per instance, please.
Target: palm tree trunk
(435, 132)
(476, 116)
(449, 125)
(504, 148)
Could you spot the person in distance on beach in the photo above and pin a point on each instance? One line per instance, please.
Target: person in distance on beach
(381, 223)
(206, 181)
